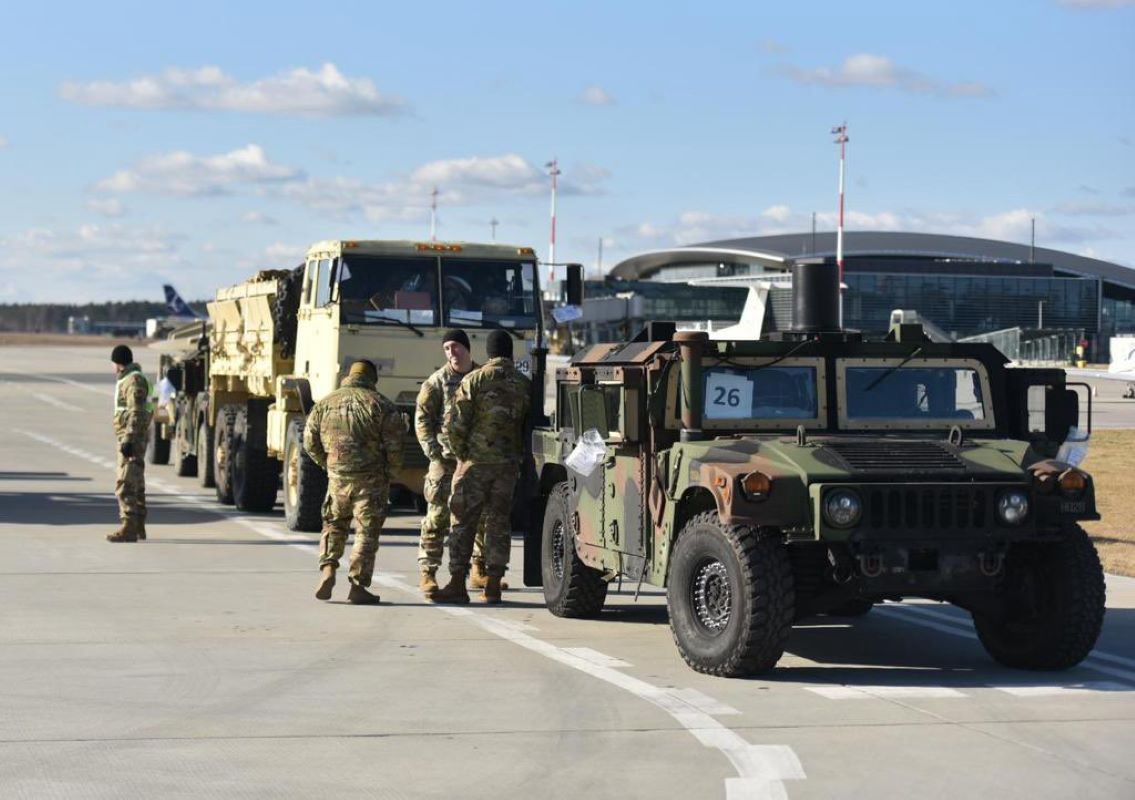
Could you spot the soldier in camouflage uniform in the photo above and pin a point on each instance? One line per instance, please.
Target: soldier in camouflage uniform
(132, 413)
(356, 435)
(485, 427)
(434, 399)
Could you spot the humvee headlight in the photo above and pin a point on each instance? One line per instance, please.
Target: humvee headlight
(842, 508)
(1073, 482)
(1013, 506)
(756, 485)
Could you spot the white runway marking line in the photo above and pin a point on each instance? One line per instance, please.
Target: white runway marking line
(761, 769)
(1100, 662)
(84, 386)
(45, 398)
(597, 658)
(1088, 687)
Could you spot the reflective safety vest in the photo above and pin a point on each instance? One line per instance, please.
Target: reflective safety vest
(118, 406)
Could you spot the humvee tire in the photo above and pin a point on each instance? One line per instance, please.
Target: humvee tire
(255, 476)
(730, 597)
(157, 448)
(571, 588)
(1054, 600)
(305, 484)
(205, 456)
(222, 453)
(184, 460)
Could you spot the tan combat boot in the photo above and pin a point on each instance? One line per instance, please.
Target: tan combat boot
(478, 578)
(491, 594)
(124, 534)
(428, 582)
(361, 597)
(326, 582)
(453, 592)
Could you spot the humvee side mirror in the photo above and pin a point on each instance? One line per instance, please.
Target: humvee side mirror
(574, 284)
(593, 410)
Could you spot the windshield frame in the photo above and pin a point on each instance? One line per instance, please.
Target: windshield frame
(820, 421)
(847, 424)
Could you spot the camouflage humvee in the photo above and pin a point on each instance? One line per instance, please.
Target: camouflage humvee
(767, 480)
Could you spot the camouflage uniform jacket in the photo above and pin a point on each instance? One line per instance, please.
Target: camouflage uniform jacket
(434, 400)
(489, 415)
(132, 408)
(355, 432)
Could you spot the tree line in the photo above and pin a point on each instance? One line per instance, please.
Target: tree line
(52, 317)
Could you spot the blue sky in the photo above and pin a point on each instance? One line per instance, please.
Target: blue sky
(142, 143)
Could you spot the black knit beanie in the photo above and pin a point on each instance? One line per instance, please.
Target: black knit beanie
(122, 355)
(456, 335)
(499, 345)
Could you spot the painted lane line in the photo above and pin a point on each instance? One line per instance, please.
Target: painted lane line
(85, 386)
(761, 769)
(46, 398)
(597, 658)
(883, 692)
(703, 702)
(1088, 687)
(1095, 661)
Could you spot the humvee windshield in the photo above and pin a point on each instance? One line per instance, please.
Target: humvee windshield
(769, 392)
(481, 293)
(923, 393)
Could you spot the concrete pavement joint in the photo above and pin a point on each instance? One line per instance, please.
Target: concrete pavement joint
(761, 769)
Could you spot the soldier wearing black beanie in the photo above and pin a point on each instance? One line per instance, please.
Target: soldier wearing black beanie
(457, 335)
(499, 345)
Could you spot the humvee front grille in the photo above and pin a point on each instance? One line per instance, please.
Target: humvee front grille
(926, 508)
(881, 455)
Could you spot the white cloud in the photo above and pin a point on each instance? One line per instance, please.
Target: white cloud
(1093, 210)
(596, 96)
(3, 142)
(257, 218)
(107, 206)
(772, 47)
(284, 255)
(182, 173)
(302, 92)
(875, 71)
(91, 262)
(1092, 4)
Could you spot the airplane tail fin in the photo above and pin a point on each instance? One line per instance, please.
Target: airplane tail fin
(177, 306)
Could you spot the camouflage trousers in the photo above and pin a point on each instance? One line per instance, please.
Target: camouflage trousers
(482, 495)
(363, 499)
(130, 485)
(435, 524)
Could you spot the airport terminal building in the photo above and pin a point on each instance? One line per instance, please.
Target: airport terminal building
(965, 286)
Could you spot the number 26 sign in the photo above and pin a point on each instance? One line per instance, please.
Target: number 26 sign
(728, 396)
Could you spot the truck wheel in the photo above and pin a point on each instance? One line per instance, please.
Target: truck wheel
(184, 459)
(571, 588)
(205, 456)
(730, 597)
(222, 453)
(255, 476)
(157, 447)
(1052, 605)
(305, 484)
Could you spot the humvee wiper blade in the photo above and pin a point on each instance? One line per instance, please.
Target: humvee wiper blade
(896, 367)
(403, 323)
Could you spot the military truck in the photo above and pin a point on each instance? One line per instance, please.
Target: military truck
(283, 339)
(813, 472)
(176, 424)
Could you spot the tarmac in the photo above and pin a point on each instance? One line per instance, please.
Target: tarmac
(198, 664)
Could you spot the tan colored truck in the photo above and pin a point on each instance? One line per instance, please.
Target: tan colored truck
(283, 340)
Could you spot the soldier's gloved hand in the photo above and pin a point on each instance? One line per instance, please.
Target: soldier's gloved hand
(127, 449)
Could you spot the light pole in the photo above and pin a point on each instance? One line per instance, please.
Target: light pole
(433, 215)
(840, 132)
(493, 224)
(553, 168)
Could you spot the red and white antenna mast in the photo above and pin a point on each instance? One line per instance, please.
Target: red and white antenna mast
(433, 215)
(553, 168)
(841, 139)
